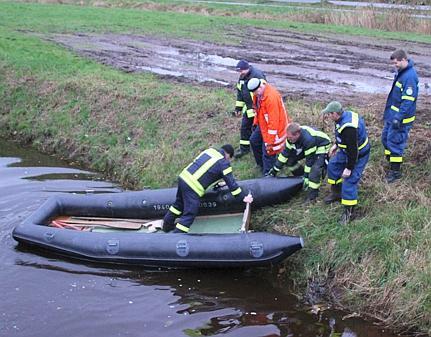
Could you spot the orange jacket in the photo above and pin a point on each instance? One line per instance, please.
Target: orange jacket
(272, 119)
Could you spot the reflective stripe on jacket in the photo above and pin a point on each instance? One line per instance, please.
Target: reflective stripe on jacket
(244, 98)
(310, 143)
(352, 119)
(208, 168)
(401, 102)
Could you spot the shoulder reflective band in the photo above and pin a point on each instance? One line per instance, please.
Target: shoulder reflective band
(192, 179)
(393, 107)
(354, 123)
(315, 133)
(399, 85)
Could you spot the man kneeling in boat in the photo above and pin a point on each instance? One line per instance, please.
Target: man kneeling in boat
(206, 170)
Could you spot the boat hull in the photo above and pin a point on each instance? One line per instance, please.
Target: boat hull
(159, 249)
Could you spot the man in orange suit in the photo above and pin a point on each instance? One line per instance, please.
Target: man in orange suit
(269, 136)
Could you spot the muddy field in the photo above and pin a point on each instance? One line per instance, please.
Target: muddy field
(315, 67)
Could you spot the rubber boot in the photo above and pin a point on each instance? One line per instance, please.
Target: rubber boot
(241, 152)
(335, 194)
(347, 215)
(311, 196)
(168, 222)
(167, 226)
(394, 173)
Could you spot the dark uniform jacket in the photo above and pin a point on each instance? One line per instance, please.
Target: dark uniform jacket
(244, 99)
(310, 143)
(351, 137)
(207, 169)
(401, 102)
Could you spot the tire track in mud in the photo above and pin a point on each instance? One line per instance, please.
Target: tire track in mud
(316, 67)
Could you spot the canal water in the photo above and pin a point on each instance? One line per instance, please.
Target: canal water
(46, 295)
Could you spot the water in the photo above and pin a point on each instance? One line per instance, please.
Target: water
(44, 295)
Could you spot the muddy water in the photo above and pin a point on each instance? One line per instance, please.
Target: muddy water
(44, 295)
(320, 66)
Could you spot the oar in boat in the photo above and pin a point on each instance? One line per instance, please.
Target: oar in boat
(246, 217)
(140, 221)
(66, 221)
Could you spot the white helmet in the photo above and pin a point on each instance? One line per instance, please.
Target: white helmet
(253, 84)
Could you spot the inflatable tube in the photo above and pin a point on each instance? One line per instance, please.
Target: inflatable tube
(160, 249)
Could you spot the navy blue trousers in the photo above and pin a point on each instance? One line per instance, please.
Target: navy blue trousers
(395, 141)
(246, 126)
(263, 159)
(186, 206)
(349, 187)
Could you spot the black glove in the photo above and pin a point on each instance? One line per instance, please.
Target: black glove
(396, 124)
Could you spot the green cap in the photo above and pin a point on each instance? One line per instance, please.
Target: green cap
(334, 106)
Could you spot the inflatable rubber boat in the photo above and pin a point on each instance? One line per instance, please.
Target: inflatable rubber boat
(125, 228)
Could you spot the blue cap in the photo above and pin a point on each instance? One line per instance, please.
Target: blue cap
(242, 65)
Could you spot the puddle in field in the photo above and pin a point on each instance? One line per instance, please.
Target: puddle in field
(307, 65)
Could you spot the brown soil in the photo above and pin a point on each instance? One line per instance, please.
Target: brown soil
(314, 67)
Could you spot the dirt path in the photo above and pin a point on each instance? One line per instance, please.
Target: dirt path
(315, 67)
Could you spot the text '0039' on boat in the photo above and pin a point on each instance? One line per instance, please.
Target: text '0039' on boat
(125, 228)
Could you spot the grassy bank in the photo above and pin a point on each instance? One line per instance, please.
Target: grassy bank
(142, 130)
(184, 21)
(355, 20)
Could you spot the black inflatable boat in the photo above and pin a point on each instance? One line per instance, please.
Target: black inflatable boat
(120, 228)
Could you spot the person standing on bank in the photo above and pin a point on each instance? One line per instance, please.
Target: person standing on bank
(267, 139)
(206, 169)
(244, 104)
(399, 112)
(348, 157)
(311, 144)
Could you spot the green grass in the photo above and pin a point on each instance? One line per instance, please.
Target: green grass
(69, 18)
(142, 130)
